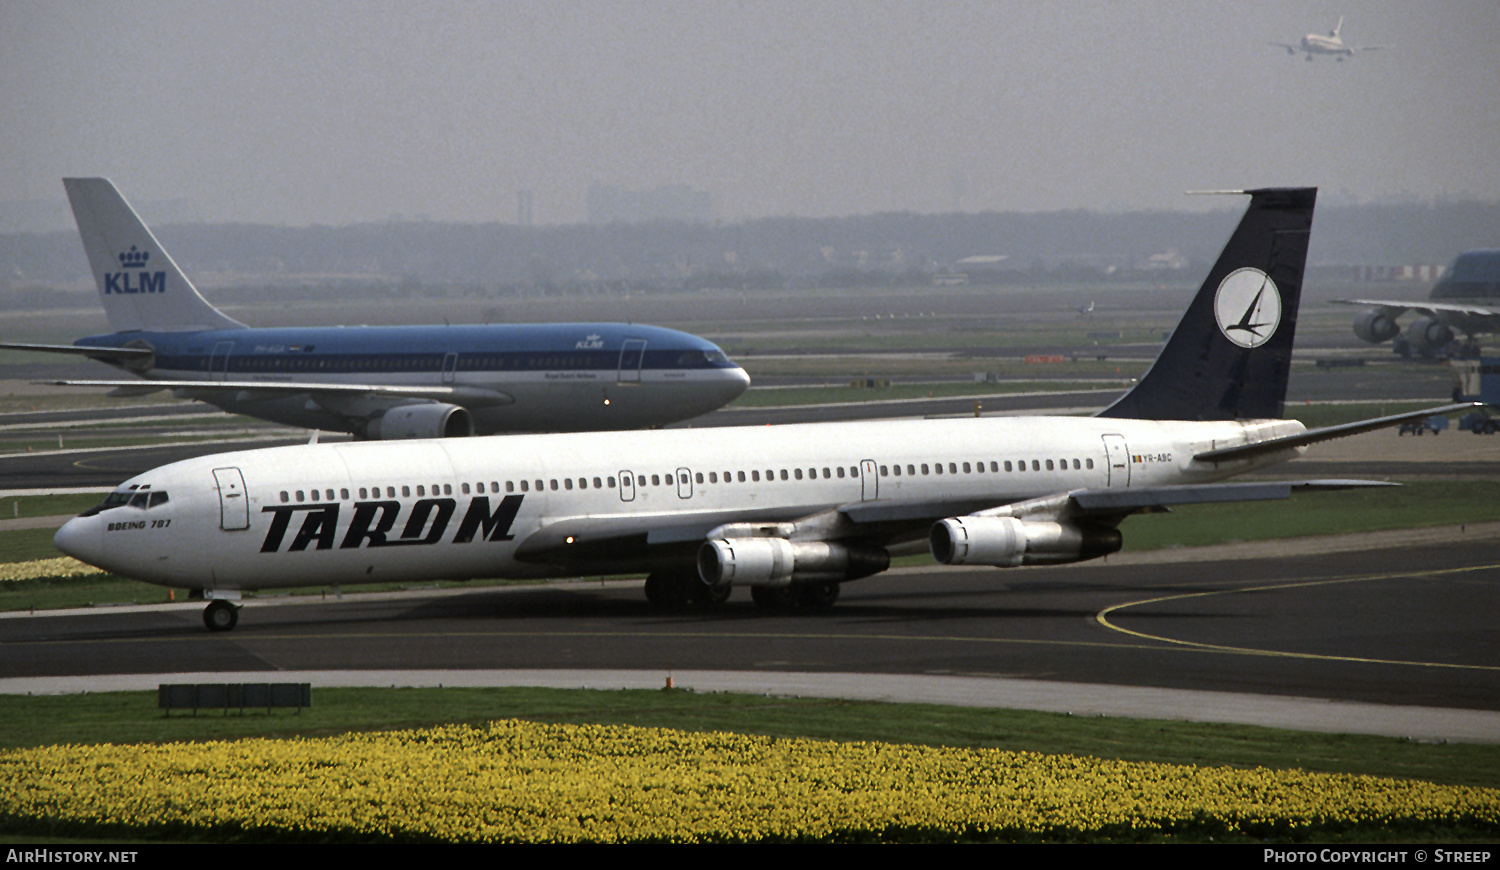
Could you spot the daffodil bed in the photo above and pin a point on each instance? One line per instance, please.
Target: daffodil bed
(42, 569)
(517, 781)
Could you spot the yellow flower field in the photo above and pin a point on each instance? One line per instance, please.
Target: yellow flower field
(514, 781)
(62, 566)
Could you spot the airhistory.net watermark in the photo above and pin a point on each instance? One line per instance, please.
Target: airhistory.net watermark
(68, 856)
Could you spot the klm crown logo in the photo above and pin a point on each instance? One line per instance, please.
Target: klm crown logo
(140, 281)
(133, 259)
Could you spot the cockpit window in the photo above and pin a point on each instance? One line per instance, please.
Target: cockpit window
(115, 499)
(698, 359)
(137, 496)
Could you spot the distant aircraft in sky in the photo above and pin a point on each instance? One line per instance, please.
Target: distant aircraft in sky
(1465, 300)
(1332, 44)
(379, 383)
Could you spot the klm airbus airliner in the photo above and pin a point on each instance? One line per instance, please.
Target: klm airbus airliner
(378, 383)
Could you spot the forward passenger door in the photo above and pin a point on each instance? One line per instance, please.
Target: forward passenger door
(869, 480)
(234, 508)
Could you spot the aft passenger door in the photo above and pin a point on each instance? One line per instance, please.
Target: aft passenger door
(234, 508)
(1116, 461)
(218, 362)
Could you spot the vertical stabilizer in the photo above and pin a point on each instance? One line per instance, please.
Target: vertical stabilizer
(1231, 354)
(139, 285)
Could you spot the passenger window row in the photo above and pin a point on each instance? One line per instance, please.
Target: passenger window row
(1019, 465)
(674, 478)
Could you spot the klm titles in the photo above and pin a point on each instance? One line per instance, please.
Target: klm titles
(144, 282)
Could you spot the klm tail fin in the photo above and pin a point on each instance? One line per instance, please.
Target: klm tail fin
(1230, 355)
(140, 286)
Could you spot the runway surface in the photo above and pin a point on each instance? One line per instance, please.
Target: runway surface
(1391, 640)
(1389, 634)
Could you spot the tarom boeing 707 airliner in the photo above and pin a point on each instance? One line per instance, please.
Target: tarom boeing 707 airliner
(790, 511)
(377, 382)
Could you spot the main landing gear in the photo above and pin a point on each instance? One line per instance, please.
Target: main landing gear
(676, 590)
(819, 595)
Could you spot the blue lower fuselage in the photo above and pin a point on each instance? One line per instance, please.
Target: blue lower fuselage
(532, 377)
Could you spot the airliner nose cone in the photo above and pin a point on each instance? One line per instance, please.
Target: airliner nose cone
(79, 538)
(741, 381)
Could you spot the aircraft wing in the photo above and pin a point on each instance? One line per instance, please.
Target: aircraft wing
(582, 540)
(1396, 308)
(1103, 504)
(251, 390)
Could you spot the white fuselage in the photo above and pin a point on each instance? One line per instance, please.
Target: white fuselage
(1324, 44)
(461, 508)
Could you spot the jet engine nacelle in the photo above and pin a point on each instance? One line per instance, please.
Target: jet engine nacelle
(434, 420)
(1376, 326)
(1007, 542)
(780, 562)
(1426, 335)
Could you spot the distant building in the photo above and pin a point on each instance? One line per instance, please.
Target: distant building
(523, 208)
(1166, 260)
(673, 202)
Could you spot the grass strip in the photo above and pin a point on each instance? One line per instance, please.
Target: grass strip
(919, 773)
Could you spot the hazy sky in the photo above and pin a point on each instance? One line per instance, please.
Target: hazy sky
(326, 111)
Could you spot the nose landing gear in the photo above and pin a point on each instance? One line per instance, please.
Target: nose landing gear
(221, 615)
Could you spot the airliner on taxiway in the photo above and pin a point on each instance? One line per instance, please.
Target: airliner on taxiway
(378, 383)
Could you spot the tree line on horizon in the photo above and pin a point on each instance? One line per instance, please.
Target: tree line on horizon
(769, 253)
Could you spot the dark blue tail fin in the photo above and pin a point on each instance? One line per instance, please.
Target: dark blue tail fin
(1230, 355)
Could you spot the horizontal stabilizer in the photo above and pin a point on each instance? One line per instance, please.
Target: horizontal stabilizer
(1326, 433)
(119, 353)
